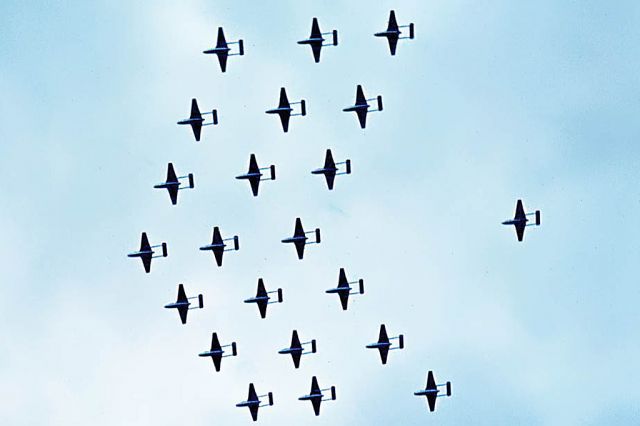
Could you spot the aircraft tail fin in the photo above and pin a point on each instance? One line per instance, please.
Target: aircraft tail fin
(303, 107)
(236, 242)
(348, 165)
(335, 37)
(361, 285)
(411, 31)
(448, 388)
(214, 116)
(241, 47)
(379, 102)
(333, 393)
(164, 250)
(317, 235)
(191, 185)
(279, 295)
(200, 301)
(537, 217)
(234, 349)
(313, 346)
(272, 169)
(270, 398)
(401, 341)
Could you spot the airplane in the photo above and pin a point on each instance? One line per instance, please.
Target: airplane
(196, 121)
(262, 298)
(296, 349)
(520, 220)
(222, 49)
(316, 396)
(317, 41)
(173, 183)
(254, 176)
(329, 170)
(344, 290)
(393, 32)
(216, 351)
(217, 245)
(299, 238)
(254, 403)
(362, 107)
(284, 109)
(183, 305)
(431, 391)
(146, 252)
(384, 344)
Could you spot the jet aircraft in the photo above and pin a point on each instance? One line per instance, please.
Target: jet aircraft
(329, 170)
(299, 238)
(216, 352)
(146, 252)
(431, 391)
(254, 176)
(284, 109)
(384, 344)
(316, 396)
(262, 298)
(222, 49)
(316, 41)
(393, 32)
(297, 350)
(217, 245)
(520, 220)
(173, 183)
(196, 119)
(253, 402)
(183, 305)
(361, 106)
(344, 290)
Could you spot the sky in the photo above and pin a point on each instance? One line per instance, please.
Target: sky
(491, 102)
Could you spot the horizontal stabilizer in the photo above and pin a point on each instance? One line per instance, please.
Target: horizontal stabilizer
(401, 341)
(333, 393)
(379, 102)
(537, 217)
(313, 346)
(348, 164)
(191, 185)
(200, 301)
(279, 295)
(303, 107)
(361, 284)
(234, 350)
(270, 398)
(448, 388)
(236, 242)
(241, 47)
(317, 235)
(214, 116)
(411, 31)
(335, 37)
(272, 168)
(164, 250)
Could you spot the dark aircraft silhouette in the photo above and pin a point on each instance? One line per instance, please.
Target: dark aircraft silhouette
(329, 170)
(316, 41)
(183, 305)
(196, 121)
(296, 349)
(384, 344)
(520, 220)
(222, 49)
(262, 298)
(217, 245)
(431, 391)
(393, 32)
(284, 109)
(299, 238)
(173, 183)
(254, 176)
(344, 290)
(216, 352)
(316, 396)
(254, 403)
(361, 106)
(146, 252)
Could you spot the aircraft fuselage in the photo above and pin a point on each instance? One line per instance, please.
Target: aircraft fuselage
(217, 50)
(213, 246)
(177, 305)
(166, 185)
(311, 397)
(426, 392)
(141, 253)
(515, 221)
(191, 120)
(212, 353)
(249, 175)
(379, 345)
(290, 350)
(387, 34)
(257, 299)
(248, 403)
(338, 290)
(356, 108)
(295, 239)
(279, 110)
(316, 40)
(324, 170)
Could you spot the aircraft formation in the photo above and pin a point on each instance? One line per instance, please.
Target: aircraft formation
(300, 238)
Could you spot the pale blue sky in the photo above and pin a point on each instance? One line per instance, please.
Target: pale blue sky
(493, 101)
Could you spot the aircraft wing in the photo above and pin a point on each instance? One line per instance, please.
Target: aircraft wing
(144, 242)
(255, 184)
(295, 340)
(173, 194)
(315, 29)
(383, 338)
(261, 290)
(262, 307)
(217, 238)
(384, 352)
(433, 396)
(520, 229)
(183, 310)
(217, 360)
(360, 99)
(315, 388)
(316, 48)
(298, 231)
(146, 262)
(520, 211)
(182, 296)
(253, 409)
(300, 248)
(316, 405)
(221, 42)
(196, 126)
(284, 119)
(362, 117)
(393, 43)
(215, 343)
(171, 174)
(284, 102)
(217, 253)
(330, 177)
(253, 164)
(431, 400)
(222, 58)
(342, 279)
(329, 163)
(253, 396)
(393, 24)
(195, 111)
(296, 358)
(344, 299)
